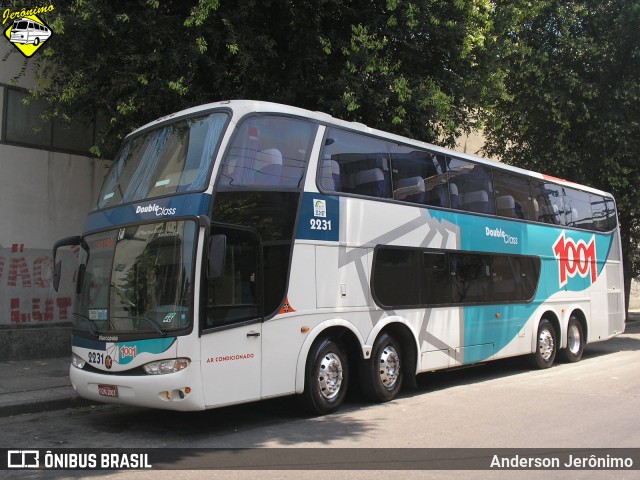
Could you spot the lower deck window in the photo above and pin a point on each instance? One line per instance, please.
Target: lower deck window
(407, 277)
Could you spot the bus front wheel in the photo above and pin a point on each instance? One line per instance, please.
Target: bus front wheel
(381, 376)
(327, 376)
(546, 345)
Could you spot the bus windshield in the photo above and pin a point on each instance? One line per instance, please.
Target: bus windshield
(137, 279)
(172, 158)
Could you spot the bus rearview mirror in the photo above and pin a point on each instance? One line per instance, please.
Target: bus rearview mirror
(57, 264)
(217, 256)
(57, 268)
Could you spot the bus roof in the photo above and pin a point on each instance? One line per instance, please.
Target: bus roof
(27, 20)
(241, 108)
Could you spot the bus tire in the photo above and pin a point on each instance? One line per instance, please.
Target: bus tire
(546, 345)
(575, 341)
(36, 42)
(381, 375)
(327, 377)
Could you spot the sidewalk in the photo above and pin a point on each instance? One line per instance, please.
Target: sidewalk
(31, 386)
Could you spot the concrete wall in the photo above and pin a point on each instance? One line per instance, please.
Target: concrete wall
(472, 144)
(634, 297)
(44, 196)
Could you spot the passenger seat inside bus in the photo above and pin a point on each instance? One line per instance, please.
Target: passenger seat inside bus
(477, 201)
(269, 167)
(371, 183)
(454, 196)
(330, 176)
(410, 190)
(506, 206)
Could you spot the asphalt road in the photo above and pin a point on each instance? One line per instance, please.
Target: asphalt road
(591, 404)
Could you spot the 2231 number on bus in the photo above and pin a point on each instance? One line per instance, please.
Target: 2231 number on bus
(96, 357)
(317, 224)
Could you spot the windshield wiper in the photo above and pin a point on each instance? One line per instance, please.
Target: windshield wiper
(149, 320)
(92, 324)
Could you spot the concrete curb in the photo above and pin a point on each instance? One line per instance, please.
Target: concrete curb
(37, 401)
(36, 385)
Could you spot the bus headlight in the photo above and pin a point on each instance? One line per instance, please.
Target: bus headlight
(166, 366)
(77, 362)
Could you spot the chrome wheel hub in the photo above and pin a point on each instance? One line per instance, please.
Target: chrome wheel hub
(573, 339)
(389, 367)
(545, 344)
(330, 376)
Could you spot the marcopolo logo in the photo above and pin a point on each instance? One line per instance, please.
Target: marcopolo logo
(576, 258)
(499, 233)
(156, 209)
(26, 31)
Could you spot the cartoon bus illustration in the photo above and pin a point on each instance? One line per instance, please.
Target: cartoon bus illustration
(30, 31)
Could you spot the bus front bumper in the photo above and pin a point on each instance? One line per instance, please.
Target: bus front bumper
(173, 391)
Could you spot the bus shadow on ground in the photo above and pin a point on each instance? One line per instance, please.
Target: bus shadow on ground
(255, 425)
(250, 425)
(481, 372)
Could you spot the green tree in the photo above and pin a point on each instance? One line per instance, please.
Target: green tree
(407, 66)
(571, 106)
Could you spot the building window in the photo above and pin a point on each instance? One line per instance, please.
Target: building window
(24, 125)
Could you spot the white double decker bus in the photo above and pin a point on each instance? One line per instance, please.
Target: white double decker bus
(246, 250)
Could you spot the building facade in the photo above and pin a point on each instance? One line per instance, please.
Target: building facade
(48, 182)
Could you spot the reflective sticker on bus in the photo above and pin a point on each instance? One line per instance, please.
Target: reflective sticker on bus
(286, 307)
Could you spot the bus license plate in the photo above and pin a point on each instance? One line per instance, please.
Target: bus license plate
(108, 390)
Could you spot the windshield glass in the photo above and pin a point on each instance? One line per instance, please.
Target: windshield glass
(136, 279)
(173, 158)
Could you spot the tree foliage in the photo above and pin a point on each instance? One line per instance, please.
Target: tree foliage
(556, 83)
(411, 67)
(571, 105)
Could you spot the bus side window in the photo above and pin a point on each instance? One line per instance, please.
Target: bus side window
(514, 278)
(436, 284)
(470, 278)
(474, 185)
(361, 164)
(270, 151)
(578, 208)
(513, 196)
(604, 213)
(410, 171)
(550, 200)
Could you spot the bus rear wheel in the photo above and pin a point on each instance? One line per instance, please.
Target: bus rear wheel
(327, 377)
(381, 376)
(575, 341)
(546, 345)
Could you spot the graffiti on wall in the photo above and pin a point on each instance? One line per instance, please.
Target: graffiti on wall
(27, 296)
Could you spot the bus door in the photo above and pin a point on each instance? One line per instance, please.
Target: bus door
(231, 340)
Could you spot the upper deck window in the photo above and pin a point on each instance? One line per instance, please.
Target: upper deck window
(169, 159)
(268, 151)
